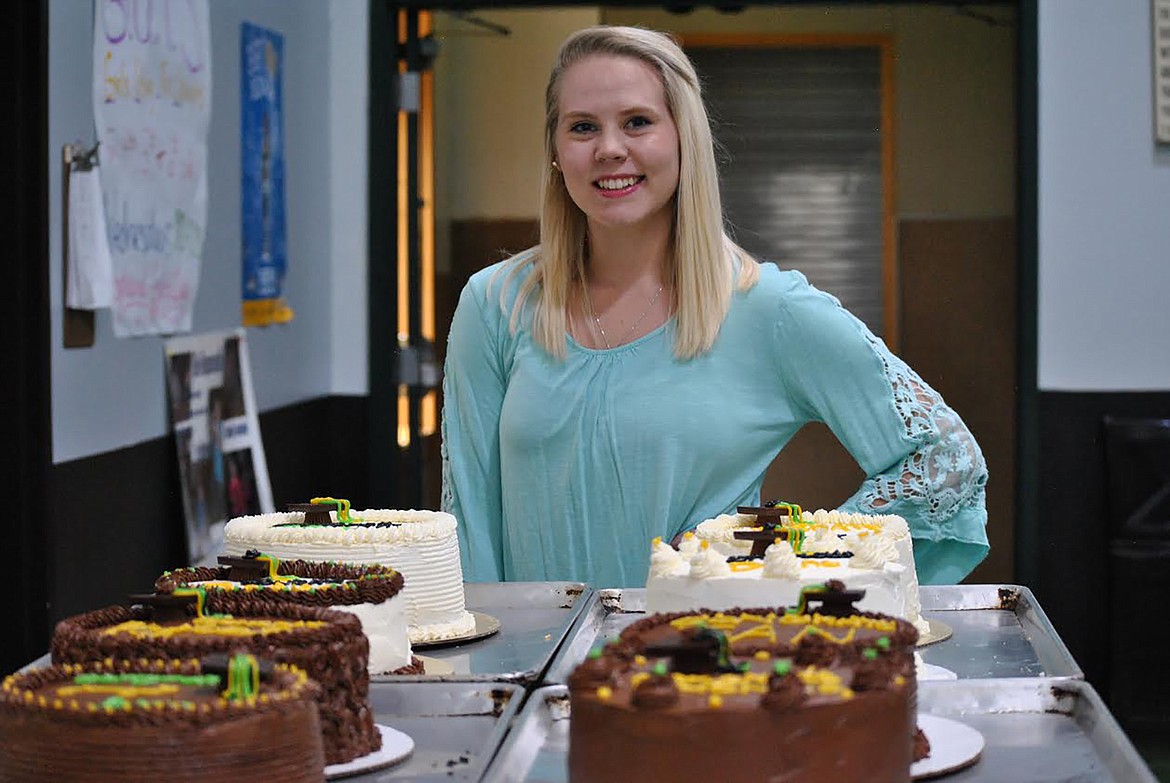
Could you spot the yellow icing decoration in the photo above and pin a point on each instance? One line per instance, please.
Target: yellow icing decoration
(200, 596)
(221, 626)
(342, 507)
(605, 693)
(739, 566)
(714, 701)
(721, 684)
(125, 690)
(640, 660)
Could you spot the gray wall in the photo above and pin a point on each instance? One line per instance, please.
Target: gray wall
(1104, 192)
(112, 395)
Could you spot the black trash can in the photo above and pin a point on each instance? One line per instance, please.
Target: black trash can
(1137, 457)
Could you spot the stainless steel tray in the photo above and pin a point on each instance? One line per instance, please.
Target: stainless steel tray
(999, 631)
(1036, 730)
(535, 618)
(457, 727)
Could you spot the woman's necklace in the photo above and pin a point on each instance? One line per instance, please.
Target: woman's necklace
(633, 326)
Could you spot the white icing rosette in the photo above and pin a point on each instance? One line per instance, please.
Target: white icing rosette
(707, 563)
(873, 551)
(689, 545)
(780, 562)
(664, 559)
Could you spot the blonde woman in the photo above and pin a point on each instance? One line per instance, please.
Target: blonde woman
(636, 372)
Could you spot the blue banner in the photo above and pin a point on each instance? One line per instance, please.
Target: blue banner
(262, 170)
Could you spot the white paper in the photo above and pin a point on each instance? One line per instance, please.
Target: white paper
(152, 107)
(89, 282)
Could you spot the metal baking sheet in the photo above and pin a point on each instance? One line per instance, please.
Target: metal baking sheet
(535, 618)
(1000, 631)
(1036, 730)
(457, 728)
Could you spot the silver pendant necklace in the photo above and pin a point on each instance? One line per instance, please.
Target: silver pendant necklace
(633, 326)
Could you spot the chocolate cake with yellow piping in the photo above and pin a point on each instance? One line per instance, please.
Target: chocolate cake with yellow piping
(373, 593)
(816, 692)
(327, 645)
(183, 721)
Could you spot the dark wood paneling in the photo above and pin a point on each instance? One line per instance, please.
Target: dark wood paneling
(117, 522)
(117, 517)
(318, 448)
(1073, 569)
(958, 305)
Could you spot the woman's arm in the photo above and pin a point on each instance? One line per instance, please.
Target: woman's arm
(921, 461)
(473, 394)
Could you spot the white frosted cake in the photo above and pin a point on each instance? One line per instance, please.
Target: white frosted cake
(712, 569)
(422, 545)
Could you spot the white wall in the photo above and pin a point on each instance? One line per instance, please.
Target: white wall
(112, 395)
(349, 100)
(1104, 193)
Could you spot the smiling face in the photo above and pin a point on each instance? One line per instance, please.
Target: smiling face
(616, 143)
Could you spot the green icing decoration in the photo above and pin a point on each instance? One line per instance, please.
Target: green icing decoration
(869, 653)
(802, 605)
(144, 680)
(883, 642)
(243, 678)
(660, 668)
(115, 703)
(594, 653)
(782, 666)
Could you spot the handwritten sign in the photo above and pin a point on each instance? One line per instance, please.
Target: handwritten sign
(152, 106)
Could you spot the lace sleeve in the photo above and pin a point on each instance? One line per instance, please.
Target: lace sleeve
(944, 474)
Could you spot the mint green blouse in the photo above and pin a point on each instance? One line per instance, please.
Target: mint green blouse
(567, 469)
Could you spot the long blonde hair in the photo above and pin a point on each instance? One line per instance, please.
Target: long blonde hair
(705, 266)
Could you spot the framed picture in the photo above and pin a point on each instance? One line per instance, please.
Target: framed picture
(1161, 61)
(222, 468)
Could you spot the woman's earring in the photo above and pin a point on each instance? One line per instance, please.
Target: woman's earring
(555, 166)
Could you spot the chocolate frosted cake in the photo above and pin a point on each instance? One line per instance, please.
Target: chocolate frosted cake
(328, 645)
(373, 593)
(120, 721)
(813, 693)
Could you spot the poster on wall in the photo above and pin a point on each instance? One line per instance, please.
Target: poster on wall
(212, 408)
(262, 176)
(152, 105)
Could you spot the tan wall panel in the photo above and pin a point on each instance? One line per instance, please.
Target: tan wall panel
(959, 332)
(955, 92)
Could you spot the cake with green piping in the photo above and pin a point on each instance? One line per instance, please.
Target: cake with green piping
(809, 693)
(422, 545)
(211, 720)
(372, 593)
(764, 555)
(326, 644)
